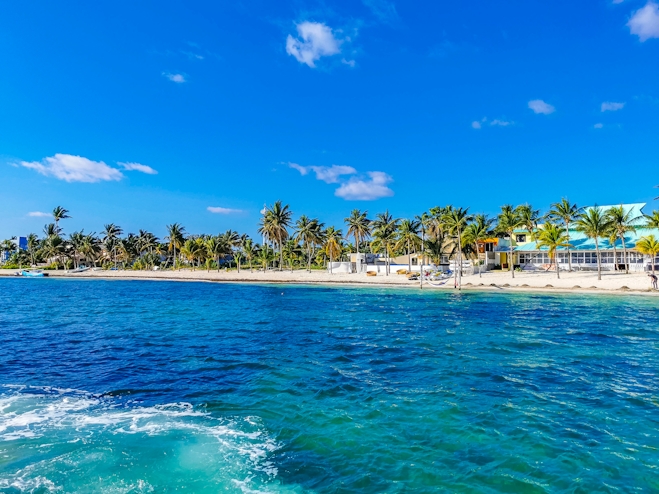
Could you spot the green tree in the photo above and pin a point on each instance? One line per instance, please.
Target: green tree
(567, 212)
(33, 246)
(408, 238)
(332, 245)
(652, 219)
(477, 232)
(455, 221)
(310, 233)
(621, 223)
(250, 250)
(649, 246)
(509, 220)
(111, 234)
(359, 226)
(384, 231)
(175, 239)
(552, 237)
(594, 224)
(291, 252)
(59, 213)
(274, 225)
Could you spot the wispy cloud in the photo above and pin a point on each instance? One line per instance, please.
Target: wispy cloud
(315, 40)
(644, 23)
(611, 106)
(540, 107)
(352, 186)
(219, 210)
(328, 174)
(39, 214)
(177, 78)
(598, 126)
(74, 169)
(138, 168)
(192, 55)
(497, 122)
(357, 189)
(383, 10)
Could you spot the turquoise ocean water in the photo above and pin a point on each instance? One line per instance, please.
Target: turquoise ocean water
(130, 387)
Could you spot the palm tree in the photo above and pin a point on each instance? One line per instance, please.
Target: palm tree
(291, 252)
(477, 232)
(32, 247)
(309, 233)
(333, 244)
(408, 237)
(384, 228)
(54, 248)
(529, 217)
(191, 251)
(358, 226)
(566, 212)
(216, 247)
(552, 237)
(75, 243)
(274, 225)
(509, 220)
(111, 233)
(265, 256)
(50, 230)
(622, 222)
(652, 219)
(90, 247)
(594, 224)
(649, 246)
(59, 213)
(455, 221)
(250, 249)
(175, 238)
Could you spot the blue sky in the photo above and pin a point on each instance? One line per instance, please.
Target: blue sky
(148, 113)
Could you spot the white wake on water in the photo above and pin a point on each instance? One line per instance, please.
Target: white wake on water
(63, 440)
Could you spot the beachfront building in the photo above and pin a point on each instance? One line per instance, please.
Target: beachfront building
(583, 252)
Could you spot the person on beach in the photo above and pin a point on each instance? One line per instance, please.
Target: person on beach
(653, 280)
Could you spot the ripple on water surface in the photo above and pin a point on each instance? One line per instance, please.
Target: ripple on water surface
(209, 388)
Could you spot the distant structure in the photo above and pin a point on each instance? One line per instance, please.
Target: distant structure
(22, 243)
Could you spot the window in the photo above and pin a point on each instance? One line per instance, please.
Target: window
(414, 261)
(489, 247)
(520, 238)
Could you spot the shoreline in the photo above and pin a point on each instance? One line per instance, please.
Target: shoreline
(499, 282)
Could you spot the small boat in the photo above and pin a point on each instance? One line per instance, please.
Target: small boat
(33, 274)
(81, 269)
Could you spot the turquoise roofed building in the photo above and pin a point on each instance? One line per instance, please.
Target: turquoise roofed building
(582, 251)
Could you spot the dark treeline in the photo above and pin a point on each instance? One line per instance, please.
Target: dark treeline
(441, 233)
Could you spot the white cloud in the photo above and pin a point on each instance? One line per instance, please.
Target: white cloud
(366, 190)
(138, 168)
(645, 22)
(350, 63)
(302, 169)
(501, 123)
(74, 169)
(177, 78)
(328, 174)
(478, 124)
(39, 214)
(192, 56)
(539, 106)
(315, 40)
(618, 1)
(598, 125)
(218, 210)
(611, 106)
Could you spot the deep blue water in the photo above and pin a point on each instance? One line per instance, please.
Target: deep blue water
(135, 386)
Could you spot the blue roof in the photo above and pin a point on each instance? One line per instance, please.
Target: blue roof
(579, 241)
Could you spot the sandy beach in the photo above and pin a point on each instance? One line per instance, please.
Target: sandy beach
(574, 282)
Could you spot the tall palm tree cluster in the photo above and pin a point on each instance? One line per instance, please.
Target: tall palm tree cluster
(441, 233)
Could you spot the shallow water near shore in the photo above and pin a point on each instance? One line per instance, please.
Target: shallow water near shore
(135, 386)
